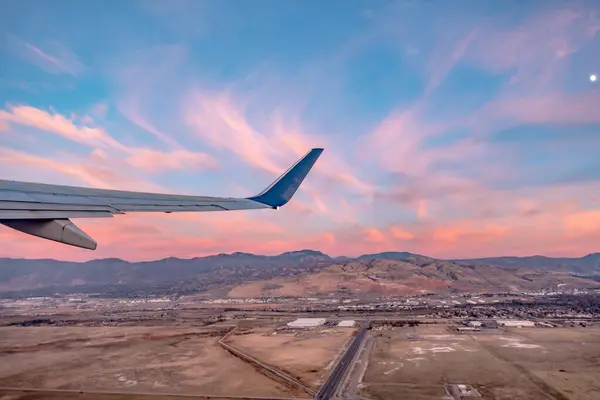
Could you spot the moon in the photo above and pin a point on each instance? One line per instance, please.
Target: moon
(593, 78)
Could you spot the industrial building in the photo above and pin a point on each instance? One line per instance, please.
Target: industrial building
(347, 323)
(306, 323)
(515, 323)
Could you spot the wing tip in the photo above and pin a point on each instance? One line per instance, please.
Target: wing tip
(283, 188)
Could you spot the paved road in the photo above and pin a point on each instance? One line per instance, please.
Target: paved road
(331, 386)
(357, 372)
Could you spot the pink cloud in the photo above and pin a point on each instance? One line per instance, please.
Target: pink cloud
(99, 139)
(92, 171)
(153, 236)
(217, 120)
(400, 233)
(155, 161)
(582, 224)
(223, 123)
(557, 108)
(532, 51)
(59, 124)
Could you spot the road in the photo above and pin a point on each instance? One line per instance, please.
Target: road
(330, 388)
(358, 370)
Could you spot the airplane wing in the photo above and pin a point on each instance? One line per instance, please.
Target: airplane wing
(44, 210)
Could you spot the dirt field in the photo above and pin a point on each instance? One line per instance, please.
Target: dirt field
(307, 355)
(567, 360)
(524, 364)
(138, 359)
(12, 395)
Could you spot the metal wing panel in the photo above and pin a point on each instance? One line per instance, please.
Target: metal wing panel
(45, 192)
(21, 200)
(49, 214)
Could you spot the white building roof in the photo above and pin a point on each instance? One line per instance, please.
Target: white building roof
(347, 323)
(514, 322)
(302, 322)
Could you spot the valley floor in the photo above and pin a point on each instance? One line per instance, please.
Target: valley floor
(156, 354)
(526, 364)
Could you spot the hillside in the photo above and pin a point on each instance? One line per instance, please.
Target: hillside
(589, 264)
(414, 275)
(292, 273)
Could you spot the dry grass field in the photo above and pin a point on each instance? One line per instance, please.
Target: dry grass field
(306, 355)
(127, 359)
(524, 364)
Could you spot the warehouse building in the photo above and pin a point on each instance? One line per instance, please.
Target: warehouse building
(306, 323)
(347, 323)
(515, 323)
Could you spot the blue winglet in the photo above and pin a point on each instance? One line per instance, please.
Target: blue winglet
(281, 191)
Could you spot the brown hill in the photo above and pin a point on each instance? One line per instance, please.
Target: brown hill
(414, 275)
(292, 273)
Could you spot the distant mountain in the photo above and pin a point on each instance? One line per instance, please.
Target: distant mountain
(20, 274)
(419, 272)
(414, 275)
(589, 264)
(392, 255)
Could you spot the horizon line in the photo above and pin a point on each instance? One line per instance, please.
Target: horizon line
(299, 251)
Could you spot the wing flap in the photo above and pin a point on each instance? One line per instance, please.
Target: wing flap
(58, 230)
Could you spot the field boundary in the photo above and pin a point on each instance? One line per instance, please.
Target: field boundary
(269, 369)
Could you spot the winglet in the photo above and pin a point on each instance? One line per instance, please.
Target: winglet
(283, 188)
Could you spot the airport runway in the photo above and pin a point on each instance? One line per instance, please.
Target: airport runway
(330, 388)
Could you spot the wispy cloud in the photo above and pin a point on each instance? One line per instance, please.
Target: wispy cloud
(155, 161)
(225, 125)
(145, 81)
(106, 146)
(55, 57)
(538, 49)
(92, 170)
(60, 125)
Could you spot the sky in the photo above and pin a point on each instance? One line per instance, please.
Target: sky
(451, 128)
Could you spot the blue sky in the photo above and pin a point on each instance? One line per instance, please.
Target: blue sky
(445, 123)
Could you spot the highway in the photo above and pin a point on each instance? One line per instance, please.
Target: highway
(331, 386)
(360, 364)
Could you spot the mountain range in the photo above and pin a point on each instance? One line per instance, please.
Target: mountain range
(295, 273)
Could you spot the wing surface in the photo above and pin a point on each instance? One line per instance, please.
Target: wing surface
(44, 210)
